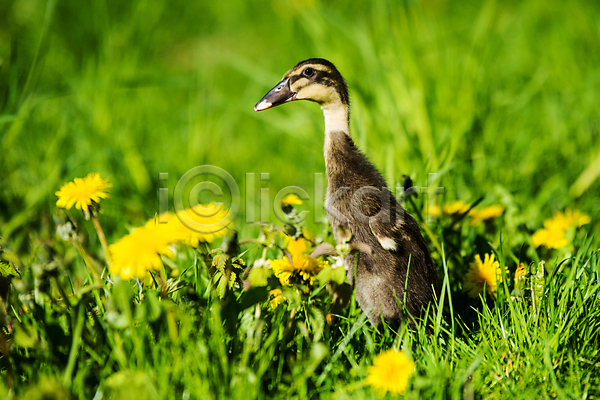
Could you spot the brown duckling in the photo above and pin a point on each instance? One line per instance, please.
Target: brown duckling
(358, 200)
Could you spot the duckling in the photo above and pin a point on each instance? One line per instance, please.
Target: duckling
(398, 271)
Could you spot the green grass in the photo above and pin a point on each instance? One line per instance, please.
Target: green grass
(499, 99)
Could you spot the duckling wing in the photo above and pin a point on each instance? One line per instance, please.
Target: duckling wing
(388, 229)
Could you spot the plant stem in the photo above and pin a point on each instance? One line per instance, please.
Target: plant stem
(77, 331)
(89, 262)
(101, 237)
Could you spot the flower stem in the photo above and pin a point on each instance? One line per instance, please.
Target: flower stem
(101, 237)
(88, 261)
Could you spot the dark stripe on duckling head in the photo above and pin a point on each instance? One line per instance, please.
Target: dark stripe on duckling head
(325, 73)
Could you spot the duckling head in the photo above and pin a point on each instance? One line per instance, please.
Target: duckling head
(314, 79)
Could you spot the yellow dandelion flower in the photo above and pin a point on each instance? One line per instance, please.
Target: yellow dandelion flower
(193, 225)
(205, 225)
(433, 210)
(550, 238)
(553, 234)
(558, 222)
(277, 299)
(297, 246)
(139, 252)
(282, 270)
(291, 200)
(576, 218)
(304, 267)
(82, 192)
(478, 216)
(390, 372)
(483, 274)
(457, 207)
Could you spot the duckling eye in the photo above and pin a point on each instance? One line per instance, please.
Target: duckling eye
(308, 72)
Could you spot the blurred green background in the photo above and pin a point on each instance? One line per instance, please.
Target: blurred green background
(499, 98)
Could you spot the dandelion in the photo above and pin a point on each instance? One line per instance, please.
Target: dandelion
(390, 372)
(277, 299)
(198, 226)
(553, 235)
(486, 274)
(83, 192)
(576, 218)
(291, 200)
(433, 210)
(457, 207)
(287, 206)
(550, 238)
(303, 267)
(298, 246)
(486, 213)
(139, 252)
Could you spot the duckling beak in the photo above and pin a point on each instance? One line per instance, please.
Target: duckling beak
(281, 93)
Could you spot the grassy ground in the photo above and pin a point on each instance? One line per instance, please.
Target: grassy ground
(499, 99)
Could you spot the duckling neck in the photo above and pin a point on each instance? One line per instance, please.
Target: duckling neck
(337, 118)
(339, 147)
(345, 165)
(337, 127)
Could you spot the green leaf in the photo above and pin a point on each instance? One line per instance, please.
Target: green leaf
(222, 285)
(253, 296)
(232, 278)
(119, 305)
(317, 322)
(153, 306)
(219, 261)
(337, 275)
(7, 269)
(23, 338)
(537, 286)
(116, 319)
(259, 276)
(318, 352)
(130, 384)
